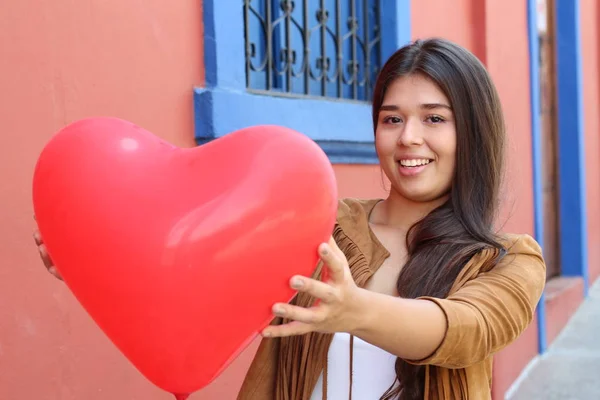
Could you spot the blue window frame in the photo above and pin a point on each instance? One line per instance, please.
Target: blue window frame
(335, 113)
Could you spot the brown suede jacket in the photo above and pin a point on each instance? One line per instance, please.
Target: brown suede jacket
(487, 309)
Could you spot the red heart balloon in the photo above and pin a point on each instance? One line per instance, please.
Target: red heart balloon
(179, 254)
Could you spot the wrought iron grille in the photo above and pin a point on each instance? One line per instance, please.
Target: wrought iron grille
(326, 48)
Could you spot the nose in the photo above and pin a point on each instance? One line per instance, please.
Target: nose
(411, 134)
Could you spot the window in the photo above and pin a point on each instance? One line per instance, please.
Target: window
(305, 64)
(320, 48)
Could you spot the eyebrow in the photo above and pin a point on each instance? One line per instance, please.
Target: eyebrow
(427, 106)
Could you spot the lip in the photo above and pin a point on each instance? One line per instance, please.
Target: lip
(412, 171)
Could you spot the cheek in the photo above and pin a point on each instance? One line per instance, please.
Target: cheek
(445, 147)
(447, 150)
(384, 143)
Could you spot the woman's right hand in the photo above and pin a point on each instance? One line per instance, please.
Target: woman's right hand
(44, 254)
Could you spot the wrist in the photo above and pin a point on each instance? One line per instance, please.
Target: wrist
(361, 316)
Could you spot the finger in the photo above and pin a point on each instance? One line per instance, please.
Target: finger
(37, 236)
(310, 315)
(315, 288)
(55, 272)
(45, 256)
(324, 274)
(336, 249)
(335, 263)
(290, 329)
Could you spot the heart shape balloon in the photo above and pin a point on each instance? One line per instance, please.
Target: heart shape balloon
(179, 254)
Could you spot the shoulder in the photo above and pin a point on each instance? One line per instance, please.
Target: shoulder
(524, 251)
(353, 234)
(352, 208)
(522, 265)
(353, 218)
(515, 243)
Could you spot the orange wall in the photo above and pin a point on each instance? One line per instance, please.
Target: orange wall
(508, 62)
(460, 21)
(590, 15)
(61, 61)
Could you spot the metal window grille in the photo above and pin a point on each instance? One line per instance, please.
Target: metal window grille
(324, 48)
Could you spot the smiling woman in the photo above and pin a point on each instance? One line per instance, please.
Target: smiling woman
(418, 282)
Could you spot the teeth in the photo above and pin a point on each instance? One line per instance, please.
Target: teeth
(413, 162)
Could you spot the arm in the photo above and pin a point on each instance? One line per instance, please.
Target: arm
(409, 329)
(483, 316)
(491, 311)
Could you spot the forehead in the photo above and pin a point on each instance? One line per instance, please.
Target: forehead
(414, 89)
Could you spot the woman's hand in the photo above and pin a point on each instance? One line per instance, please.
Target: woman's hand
(44, 254)
(339, 300)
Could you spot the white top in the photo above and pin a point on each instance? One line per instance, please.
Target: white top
(373, 370)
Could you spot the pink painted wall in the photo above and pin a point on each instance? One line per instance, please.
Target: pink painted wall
(590, 15)
(512, 79)
(460, 21)
(61, 61)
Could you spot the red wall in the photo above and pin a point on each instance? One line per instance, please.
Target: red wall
(61, 61)
(590, 15)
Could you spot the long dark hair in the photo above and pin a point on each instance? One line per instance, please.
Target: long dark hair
(442, 243)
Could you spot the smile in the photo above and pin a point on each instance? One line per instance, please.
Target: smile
(415, 162)
(413, 167)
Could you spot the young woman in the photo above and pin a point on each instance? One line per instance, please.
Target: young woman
(421, 291)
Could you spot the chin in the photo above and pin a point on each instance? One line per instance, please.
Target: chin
(423, 196)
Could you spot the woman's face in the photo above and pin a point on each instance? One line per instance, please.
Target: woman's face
(416, 139)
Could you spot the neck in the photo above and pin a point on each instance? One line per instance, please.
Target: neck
(399, 212)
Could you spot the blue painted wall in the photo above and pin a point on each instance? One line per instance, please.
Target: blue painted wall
(538, 209)
(573, 221)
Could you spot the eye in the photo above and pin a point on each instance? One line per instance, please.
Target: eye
(435, 119)
(392, 120)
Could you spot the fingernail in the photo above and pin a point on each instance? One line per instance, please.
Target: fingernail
(266, 334)
(297, 283)
(324, 251)
(277, 310)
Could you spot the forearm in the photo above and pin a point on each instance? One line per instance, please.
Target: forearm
(410, 329)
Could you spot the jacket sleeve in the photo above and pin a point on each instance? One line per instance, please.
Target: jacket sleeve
(493, 309)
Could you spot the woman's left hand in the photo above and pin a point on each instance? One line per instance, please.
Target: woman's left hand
(339, 307)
